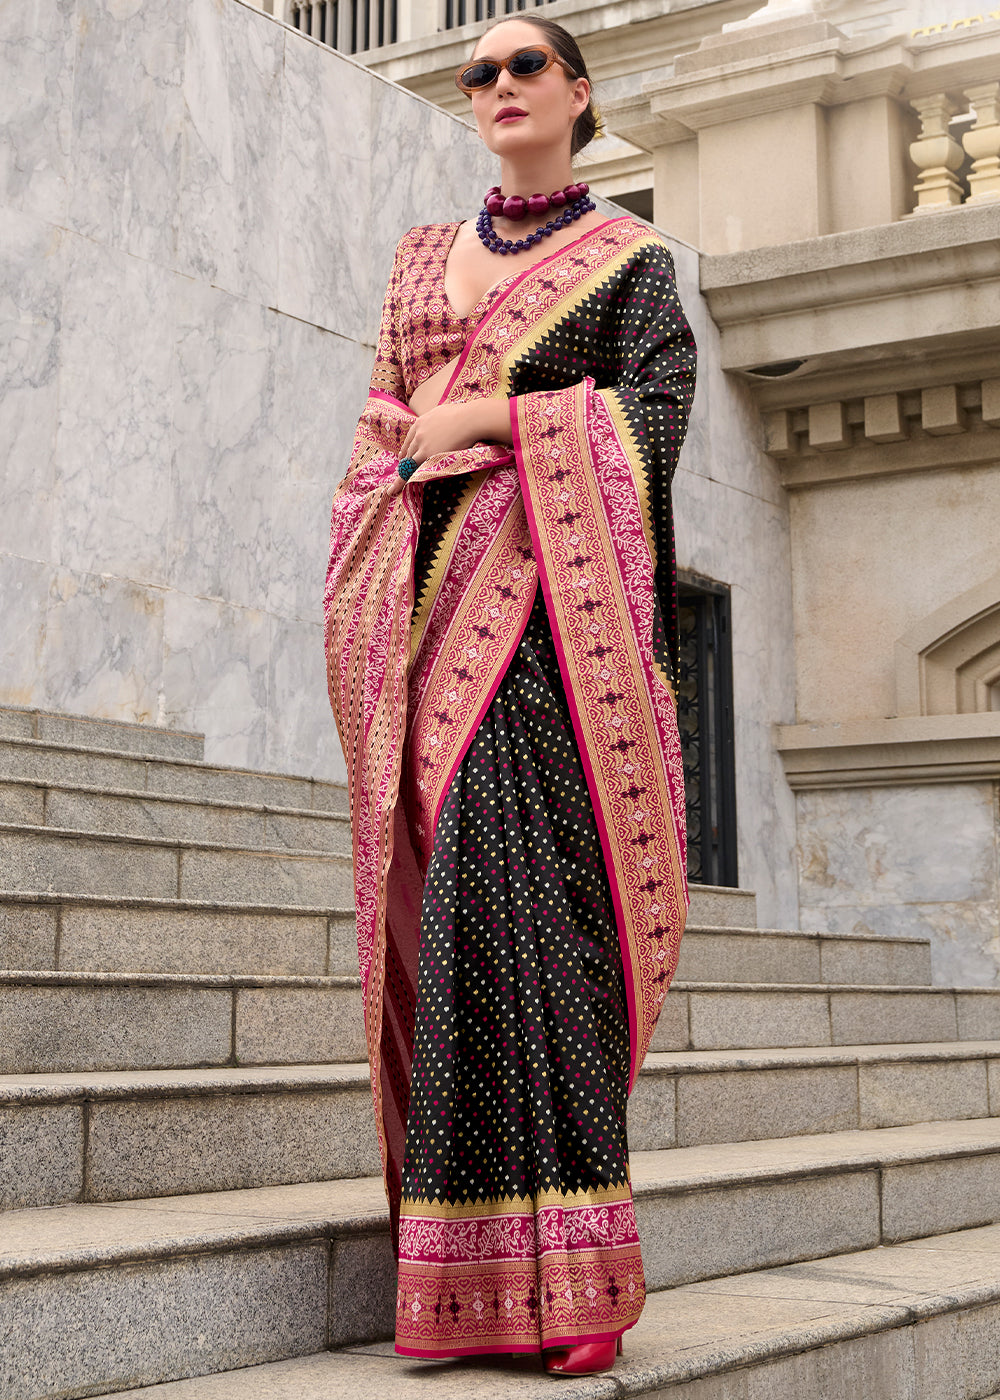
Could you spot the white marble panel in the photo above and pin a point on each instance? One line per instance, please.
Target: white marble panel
(103, 646)
(220, 489)
(24, 585)
(36, 106)
(301, 733)
(227, 226)
(114, 443)
(323, 188)
(31, 282)
(741, 540)
(215, 676)
(964, 934)
(426, 169)
(321, 386)
(127, 107)
(919, 844)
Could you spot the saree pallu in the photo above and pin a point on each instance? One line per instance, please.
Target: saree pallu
(552, 565)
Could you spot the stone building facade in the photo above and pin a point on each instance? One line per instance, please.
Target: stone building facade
(195, 302)
(837, 166)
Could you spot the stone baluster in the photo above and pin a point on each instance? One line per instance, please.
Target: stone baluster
(936, 154)
(982, 142)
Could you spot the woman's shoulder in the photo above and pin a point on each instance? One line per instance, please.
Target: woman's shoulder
(427, 235)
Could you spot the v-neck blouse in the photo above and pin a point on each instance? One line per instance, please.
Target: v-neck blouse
(421, 330)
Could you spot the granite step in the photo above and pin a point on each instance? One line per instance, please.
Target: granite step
(917, 1321)
(727, 1016)
(105, 933)
(84, 862)
(114, 1136)
(122, 812)
(77, 1021)
(46, 762)
(238, 1278)
(96, 1022)
(776, 955)
(54, 727)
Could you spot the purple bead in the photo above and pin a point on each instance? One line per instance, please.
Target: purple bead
(538, 205)
(514, 207)
(494, 204)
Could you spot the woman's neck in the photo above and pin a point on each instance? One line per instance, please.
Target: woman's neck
(535, 177)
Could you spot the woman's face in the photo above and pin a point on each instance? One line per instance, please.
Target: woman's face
(516, 115)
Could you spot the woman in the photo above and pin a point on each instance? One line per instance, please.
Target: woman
(500, 608)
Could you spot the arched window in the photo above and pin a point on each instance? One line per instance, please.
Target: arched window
(949, 663)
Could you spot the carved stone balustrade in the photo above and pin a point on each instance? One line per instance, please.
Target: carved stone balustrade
(982, 142)
(936, 154)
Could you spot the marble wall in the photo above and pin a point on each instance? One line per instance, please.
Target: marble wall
(198, 208)
(922, 861)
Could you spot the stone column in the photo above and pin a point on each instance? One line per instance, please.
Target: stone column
(936, 154)
(982, 142)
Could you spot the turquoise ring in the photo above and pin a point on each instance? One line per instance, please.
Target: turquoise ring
(406, 468)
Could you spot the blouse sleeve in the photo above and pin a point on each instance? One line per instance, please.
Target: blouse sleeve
(387, 371)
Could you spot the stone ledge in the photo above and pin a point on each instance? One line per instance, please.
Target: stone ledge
(876, 753)
(887, 296)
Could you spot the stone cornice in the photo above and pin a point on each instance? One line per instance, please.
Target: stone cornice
(621, 37)
(878, 753)
(896, 295)
(718, 84)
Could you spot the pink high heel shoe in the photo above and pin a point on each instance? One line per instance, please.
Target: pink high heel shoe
(588, 1359)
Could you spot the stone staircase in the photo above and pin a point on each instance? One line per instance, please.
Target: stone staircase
(188, 1172)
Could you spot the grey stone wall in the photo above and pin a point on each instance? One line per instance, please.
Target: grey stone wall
(198, 208)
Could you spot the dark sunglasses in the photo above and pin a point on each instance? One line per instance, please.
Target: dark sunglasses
(524, 63)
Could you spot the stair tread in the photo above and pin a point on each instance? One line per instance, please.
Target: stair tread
(140, 901)
(158, 1083)
(77, 1236)
(198, 764)
(719, 1163)
(889, 940)
(73, 1086)
(179, 798)
(71, 976)
(127, 838)
(81, 1236)
(685, 1333)
(718, 1061)
(46, 978)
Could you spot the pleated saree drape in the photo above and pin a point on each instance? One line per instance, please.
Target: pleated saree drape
(498, 642)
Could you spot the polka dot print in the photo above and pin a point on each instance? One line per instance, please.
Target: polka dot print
(521, 1052)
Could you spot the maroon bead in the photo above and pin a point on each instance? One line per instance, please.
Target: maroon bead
(572, 193)
(494, 204)
(584, 189)
(515, 207)
(557, 198)
(538, 205)
(494, 189)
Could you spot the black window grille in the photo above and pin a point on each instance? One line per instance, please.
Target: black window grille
(348, 25)
(459, 12)
(705, 720)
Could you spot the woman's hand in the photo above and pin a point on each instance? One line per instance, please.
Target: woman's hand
(448, 427)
